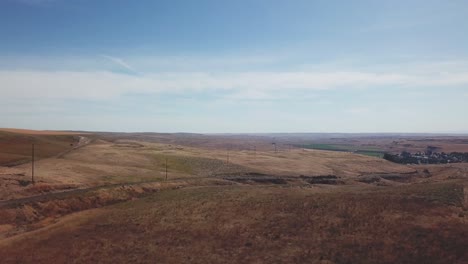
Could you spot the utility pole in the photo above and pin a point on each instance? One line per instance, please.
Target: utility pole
(227, 156)
(166, 168)
(32, 169)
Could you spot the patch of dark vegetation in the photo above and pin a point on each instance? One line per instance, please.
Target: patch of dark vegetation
(394, 177)
(24, 182)
(255, 174)
(16, 162)
(370, 179)
(427, 173)
(432, 149)
(258, 179)
(325, 179)
(375, 178)
(128, 145)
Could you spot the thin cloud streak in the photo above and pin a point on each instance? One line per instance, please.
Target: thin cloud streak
(119, 62)
(248, 85)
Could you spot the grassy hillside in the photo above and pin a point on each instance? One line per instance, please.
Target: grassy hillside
(258, 224)
(15, 148)
(109, 202)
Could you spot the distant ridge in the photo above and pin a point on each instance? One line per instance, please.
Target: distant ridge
(38, 132)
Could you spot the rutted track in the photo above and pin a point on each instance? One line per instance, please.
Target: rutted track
(242, 178)
(25, 214)
(12, 203)
(82, 142)
(99, 196)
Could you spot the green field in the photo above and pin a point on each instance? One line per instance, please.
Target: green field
(372, 153)
(368, 151)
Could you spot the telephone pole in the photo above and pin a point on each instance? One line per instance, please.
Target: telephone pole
(227, 156)
(166, 168)
(32, 169)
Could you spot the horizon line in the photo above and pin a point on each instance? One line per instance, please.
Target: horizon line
(239, 133)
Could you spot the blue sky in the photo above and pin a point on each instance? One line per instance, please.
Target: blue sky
(234, 66)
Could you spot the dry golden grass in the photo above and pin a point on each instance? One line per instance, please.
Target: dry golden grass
(107, 163)
(15, 148)
(419, 217)
(242, 224)
(316, 162)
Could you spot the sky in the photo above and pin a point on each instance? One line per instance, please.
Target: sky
(243, 66)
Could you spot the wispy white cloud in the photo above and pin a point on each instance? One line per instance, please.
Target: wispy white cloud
(248, 85)
(144, 64)
(214, 78)
(119, 62)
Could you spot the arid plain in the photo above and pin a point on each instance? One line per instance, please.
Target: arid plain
(178, 198)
